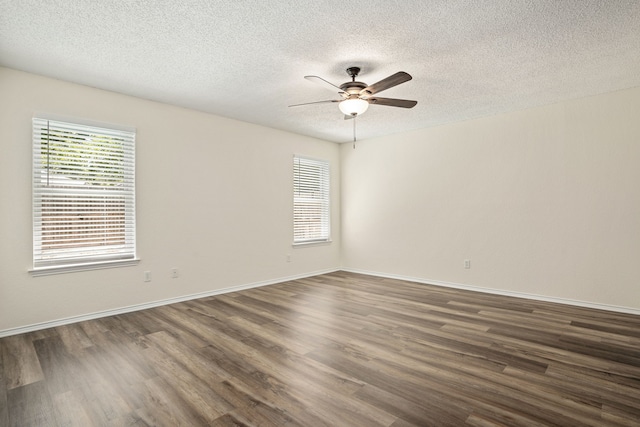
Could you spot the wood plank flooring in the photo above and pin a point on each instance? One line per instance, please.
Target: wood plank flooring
(339, 349)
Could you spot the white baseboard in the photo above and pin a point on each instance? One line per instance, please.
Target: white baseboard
(136, 307)
(619, 309)
(144, 306)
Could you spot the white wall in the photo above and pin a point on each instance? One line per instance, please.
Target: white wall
(543, 202)
(213, 199)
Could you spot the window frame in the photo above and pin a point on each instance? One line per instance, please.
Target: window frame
(87, 190)
(323, 224)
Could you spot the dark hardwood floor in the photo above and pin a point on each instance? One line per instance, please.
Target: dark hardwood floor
(339, 349)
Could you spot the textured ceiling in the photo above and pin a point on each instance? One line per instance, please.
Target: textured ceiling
(246, 59)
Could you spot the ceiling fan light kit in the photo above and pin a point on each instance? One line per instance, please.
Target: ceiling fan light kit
(357, 96)
(353, 106)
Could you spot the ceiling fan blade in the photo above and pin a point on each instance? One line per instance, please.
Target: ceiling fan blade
(404, 103)
(384, 84)
(317, 102)
(324, 83)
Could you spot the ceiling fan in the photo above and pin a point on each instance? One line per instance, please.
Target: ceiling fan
(356, 96)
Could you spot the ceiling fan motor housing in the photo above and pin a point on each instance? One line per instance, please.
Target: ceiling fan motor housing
(353, 88)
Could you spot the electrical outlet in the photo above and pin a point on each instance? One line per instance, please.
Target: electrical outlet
(467, 263)
(288, 257)
(175, 273)
(147, 276)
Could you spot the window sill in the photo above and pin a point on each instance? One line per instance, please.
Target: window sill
(72, 268)
(312, 243)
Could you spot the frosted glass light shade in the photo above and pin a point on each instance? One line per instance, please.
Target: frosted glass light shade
(353, 106)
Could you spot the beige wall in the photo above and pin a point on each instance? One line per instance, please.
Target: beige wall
(543, 202)
(213, 199)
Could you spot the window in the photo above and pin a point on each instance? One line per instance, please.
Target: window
(83, 196)
(310, 200)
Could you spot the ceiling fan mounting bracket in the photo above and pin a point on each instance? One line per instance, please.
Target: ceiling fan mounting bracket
(353, 72)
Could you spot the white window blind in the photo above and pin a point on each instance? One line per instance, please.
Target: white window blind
(310, 200)
(83, 194)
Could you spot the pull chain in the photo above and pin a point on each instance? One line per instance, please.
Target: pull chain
(354, 130)
(48, 152)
